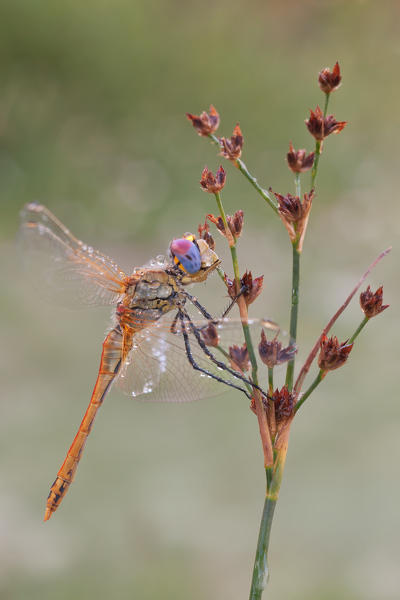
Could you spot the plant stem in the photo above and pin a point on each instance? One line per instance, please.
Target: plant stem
(306, 367)
(322, 374)
(270, 380)
(297, 185)
(359, 329)
(266, 195)
(244, 170)
(241, 301)
(318, 147)
(310, 390)
(293, 311)
(261, 569)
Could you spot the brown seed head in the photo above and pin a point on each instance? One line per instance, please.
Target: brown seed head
(294, 214)
(232, 148)
(235, 224)
(253, 287)
(284, 405)
(231, 286)
(272, 353)
(210, 335)
(204, 234)
(371, 303)
(206, 123)
(239, 358)
(321, 127)
(298, 160)
(328, 80)
(212, 183)
(332, 354)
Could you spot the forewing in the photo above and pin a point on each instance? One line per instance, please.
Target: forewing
(63, 268)
(158, 369)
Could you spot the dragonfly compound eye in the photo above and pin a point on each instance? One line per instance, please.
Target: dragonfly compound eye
(186, 255)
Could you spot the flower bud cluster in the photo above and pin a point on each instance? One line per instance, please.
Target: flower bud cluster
(206, 123)
(211, 183)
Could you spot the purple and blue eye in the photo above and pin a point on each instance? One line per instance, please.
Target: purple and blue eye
(186, 254)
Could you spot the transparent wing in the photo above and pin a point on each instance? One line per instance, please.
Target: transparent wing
(63, 268)
(158, 369)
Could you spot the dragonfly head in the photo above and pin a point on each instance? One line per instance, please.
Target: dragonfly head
(194, 258)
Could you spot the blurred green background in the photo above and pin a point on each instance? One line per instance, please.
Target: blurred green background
(168, 498)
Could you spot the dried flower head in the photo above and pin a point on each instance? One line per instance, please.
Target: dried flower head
(204, 234)
(284, 404)
(294, 214)
(371, 303)
(231, 286)
(210, 335)
(298, 160)
(321, 127)
(232, 148)
(235, 225)
(206, 123)
(272, 353)
(332, 354)
(250, 288)
(253, 287)
(239, 358)
(212, 183)
(328, 80)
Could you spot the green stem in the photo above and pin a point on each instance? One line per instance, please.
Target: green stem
(270, 380)
(297, 185)
(359, 329)
(244, 170)
(318, 145)
(310, 390)
(221, 274)
(320, 375)
(245, 325)
(261, 569)
(293, 311)
(235, 263)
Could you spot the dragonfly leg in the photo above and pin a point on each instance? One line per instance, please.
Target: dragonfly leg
(197, 304)
(217, 362)
(197, 367)
(233, 302)
(173, 324)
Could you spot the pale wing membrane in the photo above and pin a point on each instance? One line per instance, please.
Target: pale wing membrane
(158, 369)
(63, 268)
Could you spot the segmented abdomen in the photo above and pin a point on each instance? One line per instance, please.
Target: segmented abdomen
(115, 348)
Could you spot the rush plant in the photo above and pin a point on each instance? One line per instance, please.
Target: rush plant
(277, 408)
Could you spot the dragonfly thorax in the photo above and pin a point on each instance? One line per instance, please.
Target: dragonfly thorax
(153, 294)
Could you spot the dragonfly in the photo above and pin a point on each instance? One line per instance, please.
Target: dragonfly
(148, 355)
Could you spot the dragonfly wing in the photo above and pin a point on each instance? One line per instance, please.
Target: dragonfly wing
(158, 369)
(63, 268)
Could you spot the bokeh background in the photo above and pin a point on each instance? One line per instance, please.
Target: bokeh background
(167, 499)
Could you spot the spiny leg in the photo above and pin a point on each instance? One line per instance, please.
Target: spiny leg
(173, 324)
(233, 302)
(197, 366)
(217, 362)
(197, 304)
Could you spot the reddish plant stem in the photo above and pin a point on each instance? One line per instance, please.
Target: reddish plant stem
(306, 367)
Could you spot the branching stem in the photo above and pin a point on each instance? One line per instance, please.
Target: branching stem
(318, 147)
(294, 311)
(250, 178)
